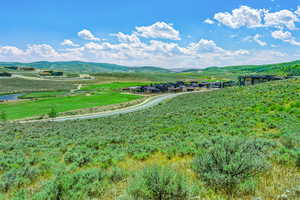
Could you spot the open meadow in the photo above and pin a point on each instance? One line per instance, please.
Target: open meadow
(41, 97)
(234, 143)
(37, 104)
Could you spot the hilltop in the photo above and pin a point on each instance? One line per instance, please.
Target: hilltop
(288, 68)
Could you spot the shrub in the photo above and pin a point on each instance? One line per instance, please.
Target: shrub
(80, 155)
(20, 195)
(86, 184)
(3, 116)
(53, 113)
(247, 187)
(17, 177)
(291, 140)
(298, 161)
(156, 183)
(230, 162)
(117, 174)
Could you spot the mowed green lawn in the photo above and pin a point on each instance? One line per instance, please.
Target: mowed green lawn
(41, 107)
(42, 94)
(112, 86)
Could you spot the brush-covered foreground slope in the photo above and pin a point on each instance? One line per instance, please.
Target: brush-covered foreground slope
(76, 159)
(85, 67)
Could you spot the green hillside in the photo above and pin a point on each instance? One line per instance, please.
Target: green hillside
(84, 67)
(235, 143)
(288, 69)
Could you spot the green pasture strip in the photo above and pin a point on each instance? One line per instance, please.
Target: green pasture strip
(112, 86)
(62, 104)
(42, 94)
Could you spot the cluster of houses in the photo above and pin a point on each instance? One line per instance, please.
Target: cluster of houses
(255, 79)
(179, 86)
(50, 73)
(41, 73)
(14, 68)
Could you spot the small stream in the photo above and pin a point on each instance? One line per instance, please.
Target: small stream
(10, 97)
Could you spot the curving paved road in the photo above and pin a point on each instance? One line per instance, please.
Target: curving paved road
(147, 104)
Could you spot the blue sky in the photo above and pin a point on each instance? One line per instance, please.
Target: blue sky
(190, 33)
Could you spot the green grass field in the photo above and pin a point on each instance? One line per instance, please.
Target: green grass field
(112, 86)
(42, 94)
(62, 104)
(102, 95)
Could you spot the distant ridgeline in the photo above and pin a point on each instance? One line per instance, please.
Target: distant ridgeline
(83, 67)
(281, 69)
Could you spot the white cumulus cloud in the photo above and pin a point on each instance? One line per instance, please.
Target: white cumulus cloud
(69, 43)
(298, 11)
(122, 37)
(246, 16)
(209, 21)
(132, 49)
(204, 46)
(285, 37)
(256, 38)
(87, 35)
(158, 30)
(282, 18)
(243, 16)
(41, 51)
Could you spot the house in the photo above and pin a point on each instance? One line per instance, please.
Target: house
(136, 89)
(46, 73)
(191, 89)
(27, 68)
(255, 79)
(12, 67)
(50, 73)
(151, 90)
(5, 74)
(57, 73)
(229, 84)
(205, 84)
(177, 89)
(85, 76)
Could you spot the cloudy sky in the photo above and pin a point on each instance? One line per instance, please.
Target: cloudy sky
(166, 33)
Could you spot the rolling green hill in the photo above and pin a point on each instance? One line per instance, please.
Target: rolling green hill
(84, 67)
(289, 69)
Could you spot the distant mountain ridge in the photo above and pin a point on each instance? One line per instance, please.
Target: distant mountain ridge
(288, 68)
(85, 67)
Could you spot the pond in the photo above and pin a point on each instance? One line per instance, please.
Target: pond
(9, 97)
